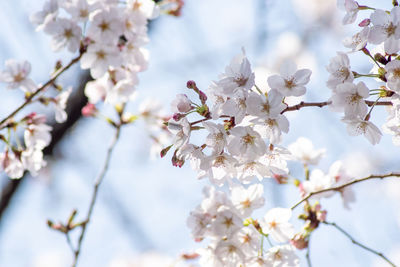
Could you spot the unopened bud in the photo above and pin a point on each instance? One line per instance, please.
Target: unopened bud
(89, 110)
(178, 116)
(191, 84)
(364, 23)
(299, 241)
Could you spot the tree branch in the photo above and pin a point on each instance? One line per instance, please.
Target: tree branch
(29, 99)
(76, 102)
(95, 192)
(340, 187)
(359, 244)
(303, 104)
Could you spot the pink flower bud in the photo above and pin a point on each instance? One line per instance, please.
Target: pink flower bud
(191, 84)
(89, 110)
(364, 23)
(299, 241)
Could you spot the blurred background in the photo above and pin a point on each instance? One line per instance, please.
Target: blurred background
(144, 201)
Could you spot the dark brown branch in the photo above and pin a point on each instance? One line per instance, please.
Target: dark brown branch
(76, 102)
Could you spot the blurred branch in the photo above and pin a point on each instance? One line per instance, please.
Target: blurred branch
(97, 184)
(341, 187)
(359, 244)
(76, 102)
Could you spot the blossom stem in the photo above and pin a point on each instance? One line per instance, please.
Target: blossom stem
(29, 99)
(303, 104)
(359, 244)
(95, 192)
(308, 257)
(372, 107)
(258, 89)
(340, 187)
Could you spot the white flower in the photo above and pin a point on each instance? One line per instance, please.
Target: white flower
(351, 97)
(198, 221)
(219, 168)
(291, 81)
(318, 181)
(37, 136)
(304, 151)
(357, 41)
(246, 143)
(48, 13)
(60, 104)
(16, 75)
(181, 104)
(96, 90)
(181, 129)
(32, 160)
(235, 106)
(357, 126)
(65, 32)
(250, 169)
(79, 9)
(392, 126)
(247, 200)
(229, 254)
(282, 256)
(393, 75)
(11, 165)
(147, 7)
(216, 139)
(262, 106)
(123, 91)
(339, 68)
(276, 223)
(248, 239)
(351, 8)
(272, 128)
(340, 177)
(106, 26)
(238, 76)
(386, 29)
(98, 58)
(226, 223)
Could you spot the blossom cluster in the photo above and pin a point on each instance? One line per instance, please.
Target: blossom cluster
(381, 30)
(242, 147)
(242, 134)
(108, 37)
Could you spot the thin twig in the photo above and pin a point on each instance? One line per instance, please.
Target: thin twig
(308, 258)
(303, 104)
(359, 244)
(29, 99)
(95, 192)
(340, 187)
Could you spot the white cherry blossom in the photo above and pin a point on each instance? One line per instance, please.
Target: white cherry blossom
(290, 82)
(245, 200)
(282, 256)
(357, 126)
(340, 71)
(304, 151)
(276, 224)
(65, 32)
(351, 97)
(16, 75)
(246, 143)
(386, 29)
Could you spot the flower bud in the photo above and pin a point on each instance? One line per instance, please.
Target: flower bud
(89, 110)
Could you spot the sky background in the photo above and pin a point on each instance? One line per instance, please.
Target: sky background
(143, 203)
